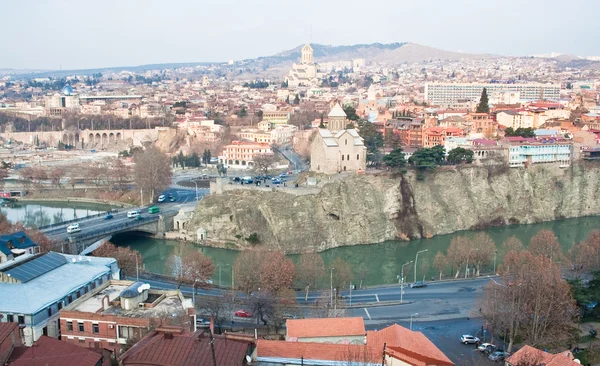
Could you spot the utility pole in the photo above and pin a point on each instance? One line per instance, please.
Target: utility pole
(416, 260)
(331, 287)
(383, 359)
(350, 293)
(137, 270)
(402, 282)
(212, 347)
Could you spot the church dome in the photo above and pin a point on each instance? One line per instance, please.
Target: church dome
(67, 90)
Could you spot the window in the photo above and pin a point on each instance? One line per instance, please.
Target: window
(346, 140)
(357, 156)
(70, 299)
(95, 328)
(342, 157)
(78, 293)
(82, 341)
(81, 328)
(60, 305)
(10, 318)
(348, 157)
(21, 319)
(70, 326)
(50, 311)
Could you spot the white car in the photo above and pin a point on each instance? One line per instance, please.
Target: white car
(466, 339)
(161, 198)
(485, 346)
(73, 228)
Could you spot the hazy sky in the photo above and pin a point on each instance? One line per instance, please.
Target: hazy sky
(75, 34)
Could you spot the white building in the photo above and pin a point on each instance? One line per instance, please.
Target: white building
(305, 73)
(449, 93)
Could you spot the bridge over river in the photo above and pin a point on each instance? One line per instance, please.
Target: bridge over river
(97, 229)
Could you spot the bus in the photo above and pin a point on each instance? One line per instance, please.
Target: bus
(153, 210)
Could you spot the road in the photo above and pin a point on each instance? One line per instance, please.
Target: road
(293, 157)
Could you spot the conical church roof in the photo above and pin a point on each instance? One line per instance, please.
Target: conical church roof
(337, 111)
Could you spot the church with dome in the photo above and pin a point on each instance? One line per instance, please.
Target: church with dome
(337, 148)
(304, 73)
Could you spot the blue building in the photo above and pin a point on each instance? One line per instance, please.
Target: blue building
(16, 246)
(33, 291)
(541, 151)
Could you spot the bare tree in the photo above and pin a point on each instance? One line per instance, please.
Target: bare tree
(219, 308)
(126, 257)
(342, 274)
(546, 243)
(484, 248)
(264, 162)
(276, 272)
(152, 171)
(458, 253)
(361, 354)
(246, 275)
(309, 270)
(440, 263)
(191, 267)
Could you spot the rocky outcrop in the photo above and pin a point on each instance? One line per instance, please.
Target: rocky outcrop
(371, 209)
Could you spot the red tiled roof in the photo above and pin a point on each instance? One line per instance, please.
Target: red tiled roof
(531, 355)
(186, 349)
(48, 351)
(325, 327)
(6, 342)
(413, 345)
(314, 351)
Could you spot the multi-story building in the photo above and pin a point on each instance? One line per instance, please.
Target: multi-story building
(449, 93)
(521, 119)
(276, 117)
(304, 73)
(526, 151)
(120, 311)
(283, 134)
(437, 135)
(34, 291)
(411, 131)
(243, 153)
(255, 135)
(481, 125)
(13, 246)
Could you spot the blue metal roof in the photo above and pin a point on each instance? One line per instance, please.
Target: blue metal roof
(19, 240)
(37, 267)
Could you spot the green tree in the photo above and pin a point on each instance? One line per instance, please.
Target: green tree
(427, 159)
(373, 141)
(181, 159)
(297, 99)
(483, 106)
(351, 113)
(460, 155)
(523, 132)
(243, 112)
(395, 159)
(206, 155)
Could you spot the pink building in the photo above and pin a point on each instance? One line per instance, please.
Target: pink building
(243, 153)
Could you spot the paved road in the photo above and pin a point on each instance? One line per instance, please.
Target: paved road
(291, 155)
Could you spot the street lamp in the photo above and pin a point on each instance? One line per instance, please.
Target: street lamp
(331, 287)
(411, 316)
(196, 184)
(416, 260)
(495, 254)
(219, 266)
(402, 281)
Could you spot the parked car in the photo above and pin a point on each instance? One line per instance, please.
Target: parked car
(171, 198)
(202, 321)
(243, 314)
(162, 198)
(237, 179)
(498, 356)
(418, 284)
(290, 316)
(486, 347)
(108, 216)
(466, 339)
(73, 228)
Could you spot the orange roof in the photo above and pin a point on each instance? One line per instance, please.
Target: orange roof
(325, 327)
(315, 351)
(531, 355)
(407, 345)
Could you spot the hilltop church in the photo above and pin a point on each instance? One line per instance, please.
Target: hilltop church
(337, 149)
(305, 73)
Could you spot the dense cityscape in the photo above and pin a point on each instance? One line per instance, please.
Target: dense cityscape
(368, 204)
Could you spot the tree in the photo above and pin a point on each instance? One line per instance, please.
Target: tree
(483, 251)
(427, 159)
(126, 257)
(523, 132)
(197, 267)
(586, 254)
(206, 156)
(309, 270)
(512, 244)
(391, 139)
(351, 113)
(545, 243)
(530, 301)
(440, 263)
(373, 140)
(120, 172)
(219, 308)
(276, 272)
(152, 171)
(483, 106)
(262, 306)
(297, 99)
(460, 155)
(243, 112)
(264, 162)
(459, 252)
(245, 268)
(395, 159)
(342, 274)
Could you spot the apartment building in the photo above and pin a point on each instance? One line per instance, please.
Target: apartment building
(451, 93)
(437, 135)
(526, 151)
(119, 311)
(242, 153)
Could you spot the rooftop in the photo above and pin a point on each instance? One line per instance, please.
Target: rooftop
(325, 327)
(530, 355)
(48, 351)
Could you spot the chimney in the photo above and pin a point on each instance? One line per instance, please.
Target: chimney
(168, 335)
(212, 325)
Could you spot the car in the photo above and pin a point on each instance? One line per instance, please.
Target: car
(162, 198)
(139, 217)
(466, 339)
(418, 284)
(237, 179)
(73, 228)
(485, 347)
(498, 356)
(108, 216)
(171, 198)
(290, 316)
(202, 321)
(243, 314)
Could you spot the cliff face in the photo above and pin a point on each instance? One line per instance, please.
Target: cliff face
(372, 209)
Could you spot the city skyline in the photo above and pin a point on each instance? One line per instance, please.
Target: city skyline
(67, 34)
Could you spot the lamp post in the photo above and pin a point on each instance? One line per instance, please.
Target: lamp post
(331, 287)
(196, 184)
(411, 316)
(416, 260)
(402, 282)
(495, 254)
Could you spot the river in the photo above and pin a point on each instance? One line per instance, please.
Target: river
(45, 213)
(375, 263)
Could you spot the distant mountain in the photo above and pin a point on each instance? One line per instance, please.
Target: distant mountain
(392, 53)
(567, 58)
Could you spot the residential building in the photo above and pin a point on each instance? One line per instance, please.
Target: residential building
(437, 135)
(305, 73)
(329, 341)
(283, 134)
(335, 148)
(255, 135)
(275, 118)
(49, 351)
(120, 311)
(10, 338)
(532, 356)
(168, 346)
(527, 151)
(15, 245)
(481, 125)
(448, 93)
(521, 119)
(243, 153)
(410, 130)
(35, 290)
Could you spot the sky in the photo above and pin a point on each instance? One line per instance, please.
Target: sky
(78, 34)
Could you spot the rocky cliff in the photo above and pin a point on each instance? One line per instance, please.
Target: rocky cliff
(372, 209)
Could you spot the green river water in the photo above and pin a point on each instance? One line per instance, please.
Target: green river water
(374, 264)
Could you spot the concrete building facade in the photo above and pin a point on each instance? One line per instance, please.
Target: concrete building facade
(448, 93)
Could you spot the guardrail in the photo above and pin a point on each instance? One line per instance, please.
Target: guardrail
(42, 228)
